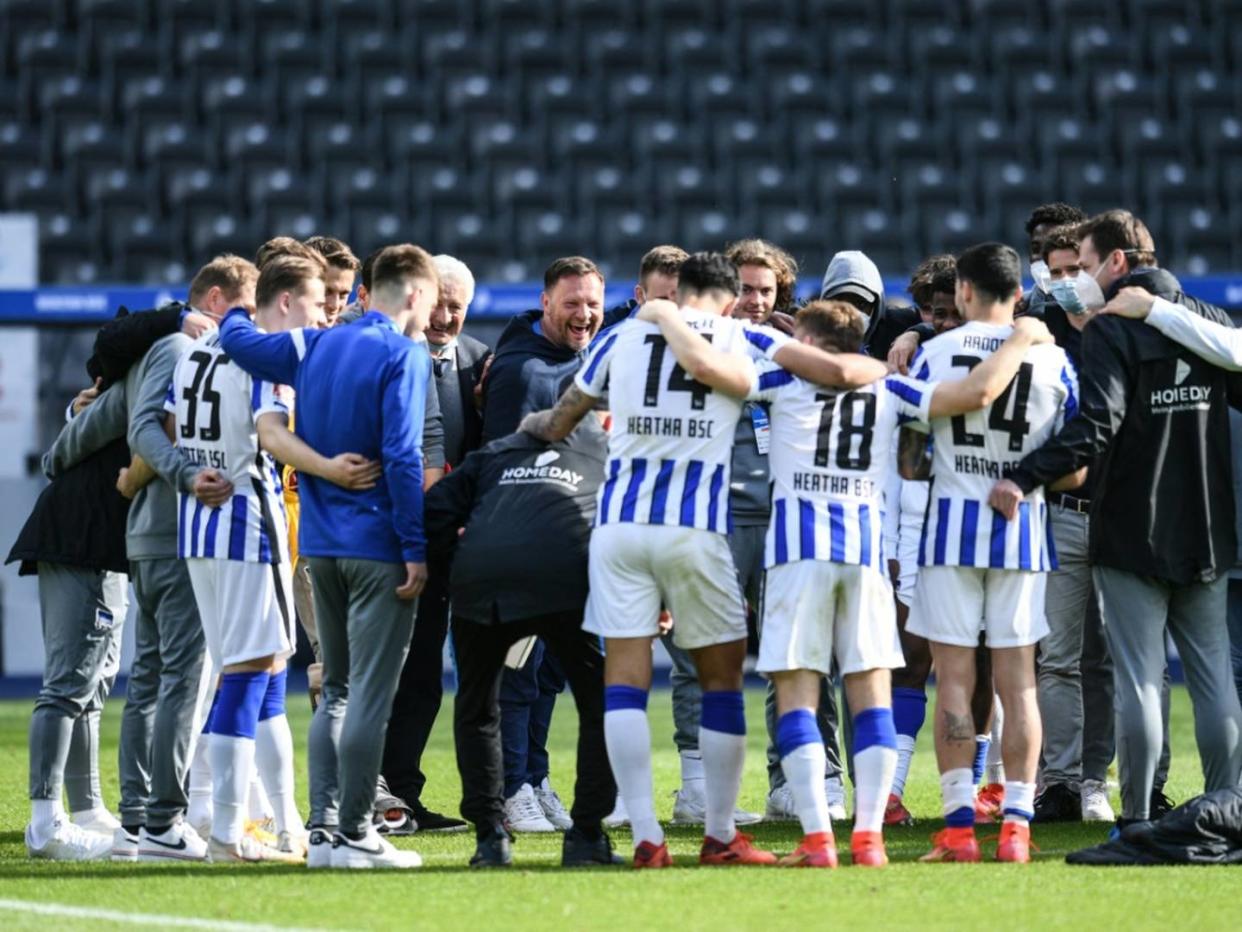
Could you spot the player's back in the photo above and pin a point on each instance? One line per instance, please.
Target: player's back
(832, 452)
(671, 441)
(971, 452)
(216, 405)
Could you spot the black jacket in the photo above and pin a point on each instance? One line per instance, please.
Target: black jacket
(463, 424)
(528, 372)
(1157, 417)
(527, 508)
(1204, 830)
(885, 326)
(79, 519)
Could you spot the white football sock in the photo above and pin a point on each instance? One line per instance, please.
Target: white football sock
(628, 737)
(258, 808)
(274, 761)
(724, 755)
(957, 789)
(873, 778)
(199, 811)
(232, 765)
(905, 756)
(691, 771)
(1019, 805)
(804, 769)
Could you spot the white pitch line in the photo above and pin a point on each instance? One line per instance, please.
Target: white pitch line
(144, 919)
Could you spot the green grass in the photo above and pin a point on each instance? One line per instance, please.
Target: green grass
(537, 894)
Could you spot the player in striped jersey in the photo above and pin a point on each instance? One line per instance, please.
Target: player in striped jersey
(238, 560)
(979, 571)
(660, 532)
(826, 592)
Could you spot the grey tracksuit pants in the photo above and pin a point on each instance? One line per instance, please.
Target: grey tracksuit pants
(168, 684)
(364, 633)
(83, 612)
(1075, 668)
(1136, 611)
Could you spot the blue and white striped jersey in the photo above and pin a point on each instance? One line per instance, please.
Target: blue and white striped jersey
(832, 451)
(971, 452)
(216, 405)
(671, 443)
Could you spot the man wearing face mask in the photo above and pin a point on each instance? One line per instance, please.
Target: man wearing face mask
(852, 277)
(1043, 220)
(1162, 538)
(1075, 670)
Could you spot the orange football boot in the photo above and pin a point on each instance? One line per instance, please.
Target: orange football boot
(1015, 843)
(818, 849)
(896, 813)
(647, 855)
(739, 851)
(953, 844)
(989, 802)
(867, 849)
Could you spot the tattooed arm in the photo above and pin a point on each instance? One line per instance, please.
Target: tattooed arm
(558, 422)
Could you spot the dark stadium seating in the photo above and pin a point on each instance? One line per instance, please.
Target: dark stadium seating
(146, 132)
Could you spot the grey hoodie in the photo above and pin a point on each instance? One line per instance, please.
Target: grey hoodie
(851, 267)
(151, 532)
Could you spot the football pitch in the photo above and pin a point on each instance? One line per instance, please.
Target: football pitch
(536, 893)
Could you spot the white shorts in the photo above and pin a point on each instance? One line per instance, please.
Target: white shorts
(246, 609)
(637, 568)
(813, 609)
(953, 604)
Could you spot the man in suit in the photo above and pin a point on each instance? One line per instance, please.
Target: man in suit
(459, 362)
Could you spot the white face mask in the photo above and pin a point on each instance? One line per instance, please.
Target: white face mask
(1043, 279)
(1079, 295)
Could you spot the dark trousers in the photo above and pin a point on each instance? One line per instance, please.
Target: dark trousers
(527, 700)
(480, 650)
(419, 693)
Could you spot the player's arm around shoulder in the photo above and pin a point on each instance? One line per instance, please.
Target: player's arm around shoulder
(724, 371)
(989, 379)
(833, 370)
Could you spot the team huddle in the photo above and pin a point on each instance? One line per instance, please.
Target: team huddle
(890, 519)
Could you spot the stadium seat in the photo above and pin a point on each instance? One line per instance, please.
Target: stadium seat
(200, 55)
(1016, 50)
(292, 56)
(112, 188)
(36, 189)
(424, 145)
(313, 106)
(90, 144)
(265, 17)
(535, 53)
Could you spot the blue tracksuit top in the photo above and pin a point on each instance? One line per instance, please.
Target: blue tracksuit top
(360, 389)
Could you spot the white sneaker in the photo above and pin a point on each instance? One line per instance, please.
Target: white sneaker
(552, 806)
(124, 846)
(292, 842)
(524, 814)
(781, 807)
(179, 842)
(319, 848)
(619, 815)
(1095, 804)
(371, 851)
(68, 842)
(690, 808)
(835, 790)
(247, 851)
(96, 820)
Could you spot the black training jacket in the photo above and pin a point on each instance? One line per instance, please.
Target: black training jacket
(527, 508)
(1157, 417)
